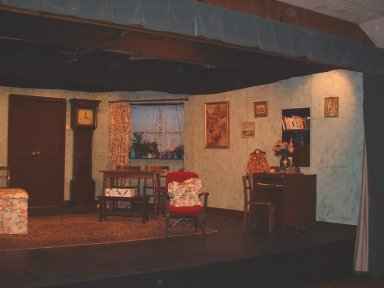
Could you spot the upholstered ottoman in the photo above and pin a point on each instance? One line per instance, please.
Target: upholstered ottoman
(13, 211)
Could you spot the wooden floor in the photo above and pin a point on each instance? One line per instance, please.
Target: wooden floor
(229, 258)
(353, 281)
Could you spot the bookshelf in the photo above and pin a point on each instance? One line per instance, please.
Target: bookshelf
(296, 126)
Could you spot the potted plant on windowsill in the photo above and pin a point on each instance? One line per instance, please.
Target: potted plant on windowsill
(179, 151)
(137, 144)
(144, 148)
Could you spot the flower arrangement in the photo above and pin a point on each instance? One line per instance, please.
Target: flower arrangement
(143, 147)
(151, 147)
(281, 148)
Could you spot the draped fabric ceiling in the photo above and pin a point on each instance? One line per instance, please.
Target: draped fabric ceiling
(140, 45)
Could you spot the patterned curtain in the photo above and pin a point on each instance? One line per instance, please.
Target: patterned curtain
(119, 134)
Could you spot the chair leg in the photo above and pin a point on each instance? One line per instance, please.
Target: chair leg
(203, 228)
(200, 222)
(245, 219)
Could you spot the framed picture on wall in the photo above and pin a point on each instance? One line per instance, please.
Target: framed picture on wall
(217, 124)
(331, 107)
(261, 109)
(248, 129)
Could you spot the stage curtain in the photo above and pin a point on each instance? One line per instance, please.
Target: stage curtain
(374, 139)
(119, 134)
(362, 243)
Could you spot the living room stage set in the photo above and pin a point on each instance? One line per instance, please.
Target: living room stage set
(331, 160)
(337, 143)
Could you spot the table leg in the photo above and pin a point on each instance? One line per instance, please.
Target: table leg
(145, 216)
(101, 208)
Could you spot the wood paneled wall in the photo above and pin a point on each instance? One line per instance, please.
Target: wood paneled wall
(283, 12)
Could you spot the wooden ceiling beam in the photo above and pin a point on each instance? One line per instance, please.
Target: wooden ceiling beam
(125, 39)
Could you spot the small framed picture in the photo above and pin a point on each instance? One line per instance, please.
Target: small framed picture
(217, 124)
(247, 129)
(261, 109)
(331, 107)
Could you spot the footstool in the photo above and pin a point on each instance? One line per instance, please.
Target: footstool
(13, 211)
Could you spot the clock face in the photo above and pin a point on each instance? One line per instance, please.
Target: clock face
(85, 117)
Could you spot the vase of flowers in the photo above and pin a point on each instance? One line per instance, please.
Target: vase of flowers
(283, 150)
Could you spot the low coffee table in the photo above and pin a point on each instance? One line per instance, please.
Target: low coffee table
(141, 201)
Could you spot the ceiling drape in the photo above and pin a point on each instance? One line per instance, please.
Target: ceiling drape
(374, 139)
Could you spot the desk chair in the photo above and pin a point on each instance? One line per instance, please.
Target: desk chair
(261, 193)
(5, 176)
(190, 213)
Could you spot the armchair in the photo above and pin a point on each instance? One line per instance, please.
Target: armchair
(185, 204)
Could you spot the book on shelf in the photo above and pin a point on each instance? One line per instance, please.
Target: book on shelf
(295, 122)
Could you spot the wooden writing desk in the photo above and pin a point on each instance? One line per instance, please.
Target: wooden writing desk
(296, 196)
(112, 177)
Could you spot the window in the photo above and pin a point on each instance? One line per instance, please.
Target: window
(163, 124)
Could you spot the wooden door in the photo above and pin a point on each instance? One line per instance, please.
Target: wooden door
(36, 148)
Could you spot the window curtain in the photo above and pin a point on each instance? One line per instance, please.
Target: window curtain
(163, 124)
(119, 134)
(374, 139)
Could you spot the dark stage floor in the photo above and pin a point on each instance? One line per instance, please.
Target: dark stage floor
(228, 258)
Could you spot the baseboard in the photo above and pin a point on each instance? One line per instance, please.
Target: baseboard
(227, 212)
(328, 226)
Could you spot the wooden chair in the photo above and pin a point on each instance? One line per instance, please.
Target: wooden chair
(121, 183)
(5, 176)
(186, 215)
(161, 187)
(261, 193)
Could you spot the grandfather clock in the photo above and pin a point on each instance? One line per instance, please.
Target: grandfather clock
(83, 123)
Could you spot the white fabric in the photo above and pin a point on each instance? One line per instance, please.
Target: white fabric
(194, 18)
(361, 261)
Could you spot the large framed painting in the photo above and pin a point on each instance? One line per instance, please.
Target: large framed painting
(217, 124)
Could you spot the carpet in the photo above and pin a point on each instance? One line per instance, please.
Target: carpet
(86, 229)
